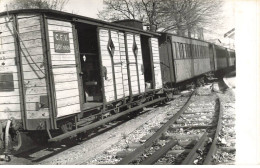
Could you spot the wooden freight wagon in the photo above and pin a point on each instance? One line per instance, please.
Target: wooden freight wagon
(183, 58)
(63, 71)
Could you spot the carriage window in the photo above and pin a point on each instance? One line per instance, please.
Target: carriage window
(174, 50)
(192, 52)
(202, 52)
(195, 51)
(188, 50)
(198, 47)
(205, 52)
(180, 50)
(6, 82)
(184, 51)
(177, 50)
(199, 51)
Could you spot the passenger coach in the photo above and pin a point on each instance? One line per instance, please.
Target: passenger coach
(184, 58)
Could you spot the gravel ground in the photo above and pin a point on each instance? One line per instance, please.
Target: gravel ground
(110, 147)
(86, 152)
(227, 138)
(136, 138)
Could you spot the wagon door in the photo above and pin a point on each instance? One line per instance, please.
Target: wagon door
(112, 64)
(156, 63)
(135, 63)
(124, 63)
(63, 65)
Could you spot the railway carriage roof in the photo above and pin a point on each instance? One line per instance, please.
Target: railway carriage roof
(78, 18)
(189, 38)
(170, 34)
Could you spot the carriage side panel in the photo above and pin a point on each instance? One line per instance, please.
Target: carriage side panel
(157, 63)
(140, 63)
(132, 64)
(202, 62)
(9, 81)
(107, 64)
(135, 65)
(124, 63)
(31, 52)
(64, 67)
(117, 65)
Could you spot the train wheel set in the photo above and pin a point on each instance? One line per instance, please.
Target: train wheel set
(63, 74)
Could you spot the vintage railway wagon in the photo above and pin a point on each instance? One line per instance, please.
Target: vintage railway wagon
(183, 58)
(62, 74)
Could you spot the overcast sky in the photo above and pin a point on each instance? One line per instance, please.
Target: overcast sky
(87, 8)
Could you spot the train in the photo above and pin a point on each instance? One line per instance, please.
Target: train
(62, 74)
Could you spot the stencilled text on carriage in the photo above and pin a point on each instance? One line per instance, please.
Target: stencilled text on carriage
(61, 42)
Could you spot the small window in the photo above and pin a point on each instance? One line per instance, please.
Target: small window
(188, 50)
(6, 82)
(199, 52)
(174, 50)
(180, 51)
(184, 50)
(192, 51)
(195, 51)
(135, 49)
(177, 50)
(111, 47)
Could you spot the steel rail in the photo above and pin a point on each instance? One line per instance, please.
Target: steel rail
(155, 136)
(189, 160)
(158, 154)
(213, 147)
(106, 120)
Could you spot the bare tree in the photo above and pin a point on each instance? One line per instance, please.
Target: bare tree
(38, 4)
(186, 14)
(170, 15)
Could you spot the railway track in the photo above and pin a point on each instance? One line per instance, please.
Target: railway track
(192, 135)
(44, 151)
(188, 137)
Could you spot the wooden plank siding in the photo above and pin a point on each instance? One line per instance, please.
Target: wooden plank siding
(117, 65)
(156, 62)
(140, 63)
(124, 63)
(64, 71)
(106, 62)
(33, 65)
(9, 100)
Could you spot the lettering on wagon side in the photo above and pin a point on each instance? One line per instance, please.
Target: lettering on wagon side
(61, 42)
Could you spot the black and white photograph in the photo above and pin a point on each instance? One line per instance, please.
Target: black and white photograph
(129, 82)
